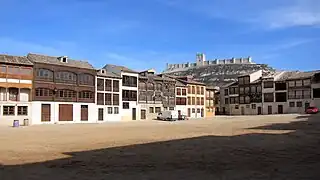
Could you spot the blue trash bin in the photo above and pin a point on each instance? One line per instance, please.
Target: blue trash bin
(16, 123)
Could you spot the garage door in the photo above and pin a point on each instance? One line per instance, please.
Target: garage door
(65, 112)
(84, 112)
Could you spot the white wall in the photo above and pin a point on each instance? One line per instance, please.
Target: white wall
(107, 117)
(183, 109)
(8, 120)
(24, 95)
(296, 109)
(36, 113)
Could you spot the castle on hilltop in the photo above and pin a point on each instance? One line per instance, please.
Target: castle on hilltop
(201, 61)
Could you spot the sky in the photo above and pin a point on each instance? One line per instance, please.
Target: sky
(143, 34)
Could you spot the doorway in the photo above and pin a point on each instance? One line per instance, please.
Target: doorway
(306, 105)
(45, 112)
(259, 110)
(280, 109)
(189, 112)
(84, 112)
(242, 110)
(269, 109)
(134, 114)
(143, 114)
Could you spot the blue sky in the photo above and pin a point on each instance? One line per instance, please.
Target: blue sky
(145, 34)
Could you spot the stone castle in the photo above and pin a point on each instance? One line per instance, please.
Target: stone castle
(201, 61)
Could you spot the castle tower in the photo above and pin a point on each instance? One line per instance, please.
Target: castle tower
(200, 59)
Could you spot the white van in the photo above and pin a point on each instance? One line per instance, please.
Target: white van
(170, 115)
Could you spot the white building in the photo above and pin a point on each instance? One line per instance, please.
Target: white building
(129, 95)
(16, 74)
(108, 96)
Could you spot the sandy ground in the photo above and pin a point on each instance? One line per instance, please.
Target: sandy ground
(260, 147)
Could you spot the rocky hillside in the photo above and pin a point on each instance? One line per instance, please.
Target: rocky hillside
(218, 75)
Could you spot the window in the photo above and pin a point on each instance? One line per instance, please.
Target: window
(100, 114)
(226, 101)
(159, 87)
(236, 107)
(253, 89)
(116, 110)
(23, 110)
(193, 101)
(65, 93)
(202, 90)
(306, 82)
(247, 106)
(25, 71)
(247, 80)
(43, 92)
(171, 108)
(242, 100)
(13, 94)
(193, 110)
(3, 69)
(268, 84)
(259, 89)
(247, 100)
(178, 91)
(184, 92)
(86, 95)
(241, 90)
(142, 86)
(158, 109)
(241, 80)
(125, 105)
(189, 90)
(247, 90)
(291, 104)
(65, 76)
(150, 87)
(8, 110)
(116, 100)
(129, 81)
(44, 74)
(307, 94)
(189, 101)
(226, 92)
(198, 90)
(13, 70)
(193, 90)
(108, 100)
(291, 94)
(281, 97)
(316, 93)
(109, 110)
(100, 84)
(115, 86)
(151, 110)
(268, 97)
(181, 101)
(233, 90)
(108, 85)
(128, 95)
(280, 86)
(299, 104)
(86, 79)
(202, 101)
(253, 106)
(100, 98)
(198, 110)
(291, 83)
(234, 100)
(299, 83)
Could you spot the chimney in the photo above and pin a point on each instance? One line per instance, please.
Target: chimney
(63, 59)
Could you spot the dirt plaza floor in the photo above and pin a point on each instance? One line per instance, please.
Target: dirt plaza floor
(248, 147)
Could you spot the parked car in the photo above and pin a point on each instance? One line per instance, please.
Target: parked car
(312, 110)
(168, 115)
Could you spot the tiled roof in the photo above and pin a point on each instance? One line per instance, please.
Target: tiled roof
(180, 84)
(291, 75)
(119, 68)
(37, 58)
(108, 74)
(15, 59)
(230, 84)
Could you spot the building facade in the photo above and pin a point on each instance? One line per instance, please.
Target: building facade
(210, 101)
(108, 96)
(16, 74)
(129, 93)
(63, 90)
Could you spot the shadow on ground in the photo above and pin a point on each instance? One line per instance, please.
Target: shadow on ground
(292, 156)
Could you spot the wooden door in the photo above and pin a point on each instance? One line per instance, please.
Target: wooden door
(65, 112)
(306, 106)
(45, 112)
(84, 113)
(259, 110)
(134, 114)
(143, 114)
(242, 110)
(280, 109)
(269, 109)
(189, 112)
(100, 114)
(202, 112)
